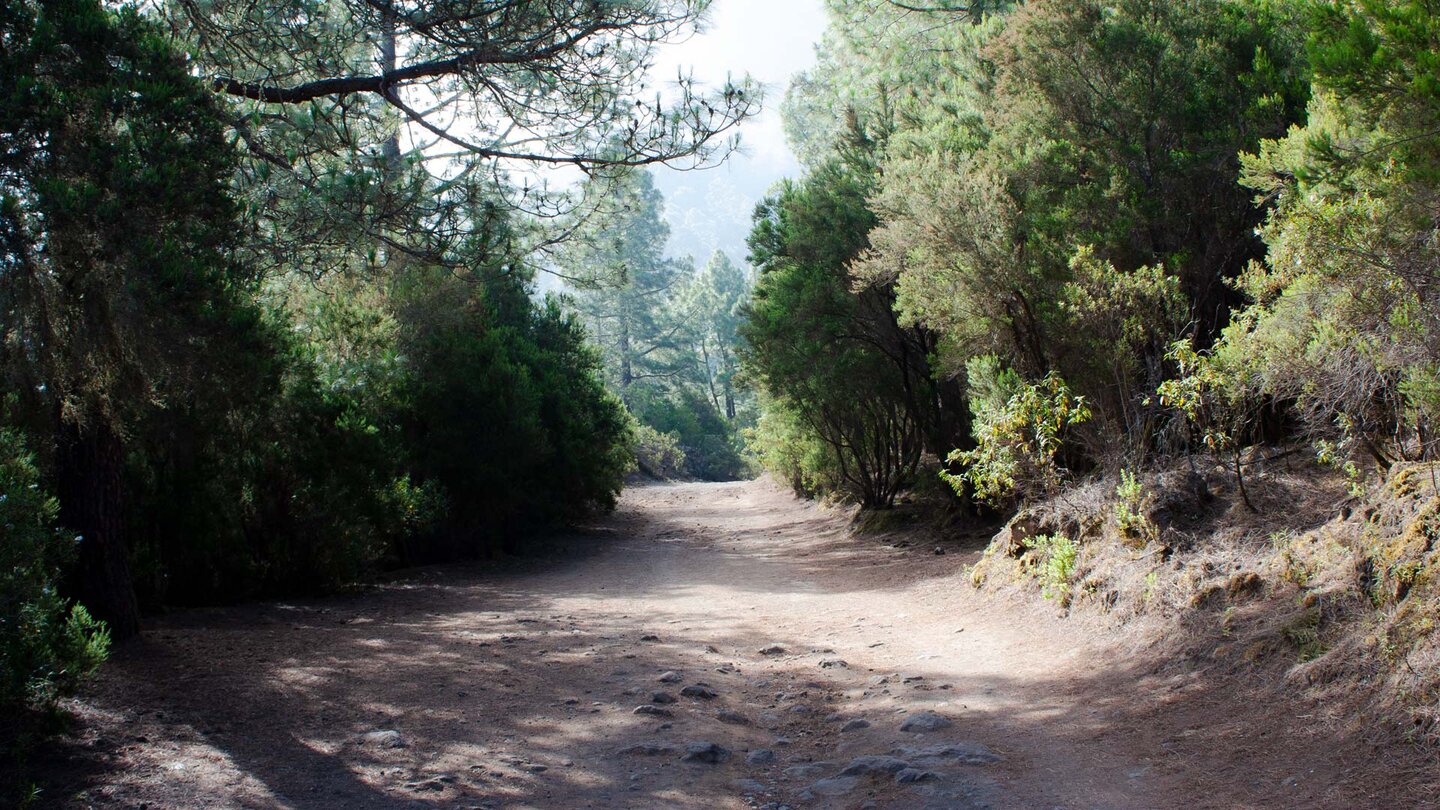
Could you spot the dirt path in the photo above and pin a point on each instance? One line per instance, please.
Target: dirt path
(461, 687)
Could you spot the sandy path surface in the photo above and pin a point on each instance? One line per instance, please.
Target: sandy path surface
(798, 651)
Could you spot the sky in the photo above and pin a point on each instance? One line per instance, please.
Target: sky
(772, 40)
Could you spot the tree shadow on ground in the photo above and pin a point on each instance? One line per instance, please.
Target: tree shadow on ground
(515, 686)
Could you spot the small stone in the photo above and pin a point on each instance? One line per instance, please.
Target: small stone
(800, 708)
(700, 691)
(926, 721)
(649, 637)
(654, 711)
(773, 649)
(647, 750)
(838, 786)
(939, 552)
(705, 752)
(833, 663)
(384, 739)
(734, 718)
(750, 786)
(662, 697)
(571, 701)
(910, 776)
(962, 753)
(855, 725)
(873, 765)
(807, 770)
(760, 756)
(670, 676)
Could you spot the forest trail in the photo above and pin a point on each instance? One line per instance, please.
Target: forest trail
(464, 687)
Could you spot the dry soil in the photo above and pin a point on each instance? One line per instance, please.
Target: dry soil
(517, 686)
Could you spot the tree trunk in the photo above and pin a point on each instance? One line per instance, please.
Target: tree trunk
(90, 477)
(626, 375)
(391, 148)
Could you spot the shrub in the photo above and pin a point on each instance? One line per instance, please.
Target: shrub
(658, 454)
(1018, 443)
(47, 645)
(1057, 564)
(1131, 504)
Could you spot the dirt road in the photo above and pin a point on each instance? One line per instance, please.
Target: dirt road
(782, 661)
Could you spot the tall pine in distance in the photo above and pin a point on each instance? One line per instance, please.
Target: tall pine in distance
(667, 333)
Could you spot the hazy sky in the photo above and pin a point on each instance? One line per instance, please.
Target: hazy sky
(771, 40)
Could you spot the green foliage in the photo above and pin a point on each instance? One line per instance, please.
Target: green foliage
(830, 354)
(1132, 502)
(1056, 566)
(668, 333)
(47, 644)
(1019, 441)
(709, 445)
(125, 316)
(1342, 324)
(1057, 183)
(226, 439)
(1117, 327)
(793, 453)
(657, 454)
(518, 389)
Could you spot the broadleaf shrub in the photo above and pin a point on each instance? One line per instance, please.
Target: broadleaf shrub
(1018, 442)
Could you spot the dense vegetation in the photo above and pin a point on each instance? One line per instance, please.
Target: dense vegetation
(1121, 229)
(1112, 269)
(667, 333)
(274, 329)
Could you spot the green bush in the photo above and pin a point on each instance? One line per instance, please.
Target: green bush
(47, 645)
(791, 452)
(1131, 504)
(1017, 443)
(505, 412)
(658, 454)
(706, 441)
(1057, 564)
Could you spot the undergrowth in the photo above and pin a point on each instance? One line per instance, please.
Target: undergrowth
(1341, 594)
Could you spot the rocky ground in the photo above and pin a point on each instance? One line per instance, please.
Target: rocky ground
(709, 646)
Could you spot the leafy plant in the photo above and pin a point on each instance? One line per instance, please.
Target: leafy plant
(1131, 504)
(48, 645)
(658, 454)
(1057, 564)
(1018, 443)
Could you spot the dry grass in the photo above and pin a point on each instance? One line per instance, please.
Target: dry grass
(1340, 596)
